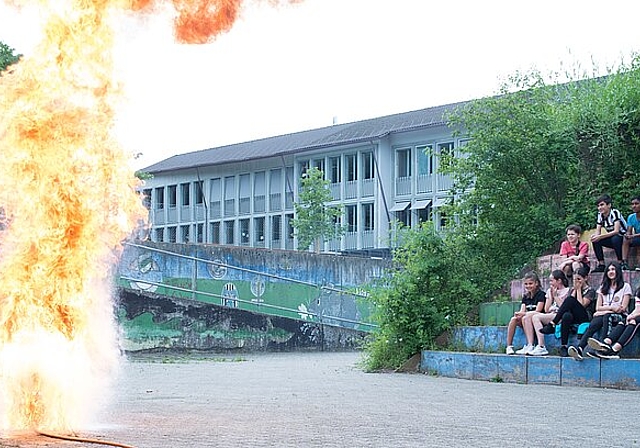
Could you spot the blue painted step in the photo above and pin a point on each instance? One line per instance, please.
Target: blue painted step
(553, 370)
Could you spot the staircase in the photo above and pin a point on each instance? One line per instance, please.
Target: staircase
(480, 349)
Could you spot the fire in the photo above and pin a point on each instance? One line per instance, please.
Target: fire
(70, 198)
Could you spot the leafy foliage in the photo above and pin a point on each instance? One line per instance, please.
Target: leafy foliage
(538, 158)
(314, 219)
(429, 291)
(7, 56)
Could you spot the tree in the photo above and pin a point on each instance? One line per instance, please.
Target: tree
(315, 220)
(7, 56)
(538, 156)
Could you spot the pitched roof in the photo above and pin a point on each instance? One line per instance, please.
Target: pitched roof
(339, 134)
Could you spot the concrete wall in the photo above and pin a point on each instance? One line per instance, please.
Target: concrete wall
(151, 322)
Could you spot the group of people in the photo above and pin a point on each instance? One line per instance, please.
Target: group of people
(605, 310)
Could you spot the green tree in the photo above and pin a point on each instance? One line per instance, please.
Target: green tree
(538, 156)
(7, 56)
(315, 220)
(429, 291)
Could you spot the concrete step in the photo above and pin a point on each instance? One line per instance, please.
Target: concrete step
(552, 370)
(493, 339)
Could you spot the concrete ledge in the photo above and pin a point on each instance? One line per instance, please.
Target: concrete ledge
(493, 339)
(553, 370)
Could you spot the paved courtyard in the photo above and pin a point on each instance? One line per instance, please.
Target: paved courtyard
(326, 400)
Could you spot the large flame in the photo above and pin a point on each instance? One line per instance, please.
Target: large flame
(69, 198)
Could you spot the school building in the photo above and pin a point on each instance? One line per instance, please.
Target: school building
(381, 171)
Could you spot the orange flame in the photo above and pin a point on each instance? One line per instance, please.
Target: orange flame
(68, 192)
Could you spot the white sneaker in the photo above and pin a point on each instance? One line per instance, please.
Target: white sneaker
(510, 350)
(538, 351)
(525, 350)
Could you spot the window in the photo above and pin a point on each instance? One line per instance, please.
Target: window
(229, 227)
(215, 232)
(216, 198)
(351, 167)
(160, 198)
(288, 187)
(351, 218)
(303, 166)
(173, 196)
(425, 159)
(230, 196)
(159, 234)
(367, 165)
(367, 217)
(258, 230)
(404, 217)
(334, 170)
(146, 198)
(275, 189)
(245, 194)
(319, 163)
(200, 233)
(198, 189)
(424, 214)
(172, 234)
(276, 228)
(184, 192)
(403, 162)
(289, 223)
(184, 233)
(259, 191)
(244, 231)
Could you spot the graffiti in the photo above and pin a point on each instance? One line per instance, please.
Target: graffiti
(230, 295)
(258, 286)
(217, 269)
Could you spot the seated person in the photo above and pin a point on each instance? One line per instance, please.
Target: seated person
(556, 294)
(575, 250)
(611, 308)
(532, 302)
(610, 230)
(576, 309)
(620, 336)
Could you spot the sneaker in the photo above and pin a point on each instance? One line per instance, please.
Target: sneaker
(594, 355)
(599, 268)
(525, 350)
(624, 266)
(538, 351)
(608, 354)
(575, 353)
(548, 329)
(597, 345)
(510, 350)
(563, 351)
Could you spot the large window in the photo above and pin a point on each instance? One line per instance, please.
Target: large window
(351, 166)
(215, 232)
(367, 217)
(198, 191)
(367, 165)
(425, 159)
(259, 192)
(245, 194)
(276, 228)
(244, 231)
(258, 231)
(229, 227)
(319, 163)
(351, 216)
(185, 189)
(173, 196)
(159, 199)
(403, 162)
(216, 198)
(334, 170)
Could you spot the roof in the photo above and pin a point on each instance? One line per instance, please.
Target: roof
(339, 134)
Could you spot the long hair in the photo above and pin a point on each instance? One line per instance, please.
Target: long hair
(606, 281)
(558, 274)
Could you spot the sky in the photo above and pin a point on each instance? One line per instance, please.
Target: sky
(301, 66)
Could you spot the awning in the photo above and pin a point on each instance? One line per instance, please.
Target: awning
(419, 205)
(399, 206)
(440, 202)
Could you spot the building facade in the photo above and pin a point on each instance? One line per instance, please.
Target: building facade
(381, 171)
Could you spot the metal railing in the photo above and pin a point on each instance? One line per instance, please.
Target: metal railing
(258, 306)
